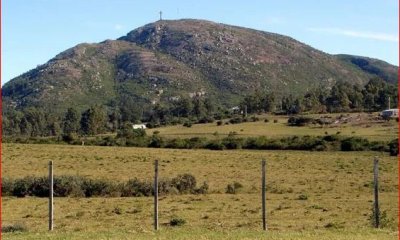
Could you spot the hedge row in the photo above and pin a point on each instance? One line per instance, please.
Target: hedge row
(307, 143)
(77, 186)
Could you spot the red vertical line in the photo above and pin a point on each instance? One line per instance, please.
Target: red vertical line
(1, 116)
(398, 133)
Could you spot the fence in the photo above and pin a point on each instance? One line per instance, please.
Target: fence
(262, 219)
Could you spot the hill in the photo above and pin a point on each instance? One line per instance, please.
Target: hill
(170, 59)
(373, 66)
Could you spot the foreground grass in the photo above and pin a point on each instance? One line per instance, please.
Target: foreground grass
(332, 172)
(217, 212)
(372, 130)
(361, 234)
(310, 195)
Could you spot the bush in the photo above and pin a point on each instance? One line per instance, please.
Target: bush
(206, 120)
(185, 183)
(68, 186)
(38, 186)
(219, 123)
(76, 186)
(354, 144)
(203, 189)
(156, 142)
(69, 137)
(187, 124)
(177, 143)
(232, 143)
(254, 119)
(394, 147)
(299, 121)
(302, 197)
(20, 187)
(136, 188)
(7, 187)
(92, 188)
(175, 222)
(152, 125)
(127, 131)
(233, 188)
(197, 142)
(236, 120)
(108, 141)
(215, 145)
(14, 228)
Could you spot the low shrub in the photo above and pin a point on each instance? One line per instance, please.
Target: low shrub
(175, 222)
(187, 124)
(215, 145)
(233, 188)
(236, 120)
(254, 119)
(299, 121)
(354, 144)
(18, 227)
(394, 147)
(7, 187)
(206, 120)
(232, 143)
(136, 188)
(302, 197)
(185, 183)
(76, 186)
(156, 142)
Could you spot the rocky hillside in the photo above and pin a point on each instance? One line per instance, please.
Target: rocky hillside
(373, 66)
(167, 60)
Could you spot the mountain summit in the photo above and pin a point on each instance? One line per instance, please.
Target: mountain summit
(170, 59)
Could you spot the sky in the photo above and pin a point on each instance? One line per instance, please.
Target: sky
(34, 31)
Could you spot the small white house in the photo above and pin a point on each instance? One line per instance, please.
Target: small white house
(139, 126)
(390, 113)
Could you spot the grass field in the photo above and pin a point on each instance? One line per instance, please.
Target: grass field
(359, 126)
(335, 188)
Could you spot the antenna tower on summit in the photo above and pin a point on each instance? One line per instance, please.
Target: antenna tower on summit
(160, 15)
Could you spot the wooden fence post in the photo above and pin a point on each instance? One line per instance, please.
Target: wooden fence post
(51, 212)
(263, 188)
(376, 193)
(156, 195)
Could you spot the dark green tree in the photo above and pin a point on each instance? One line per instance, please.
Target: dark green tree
(93, 120)
(70, 123)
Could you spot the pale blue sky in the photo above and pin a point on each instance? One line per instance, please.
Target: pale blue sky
(33, 31)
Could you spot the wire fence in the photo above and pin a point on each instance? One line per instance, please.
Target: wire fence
(240, 214)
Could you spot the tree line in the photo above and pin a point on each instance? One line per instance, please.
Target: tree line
(341, 97)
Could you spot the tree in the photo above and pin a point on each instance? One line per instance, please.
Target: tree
(210, 106)
(70, 124)
(93, 120)
(267, 103)
(338, 101)
(37, 121)
(198, 107)
(25, 127)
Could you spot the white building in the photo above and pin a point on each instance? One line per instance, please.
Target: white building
(139, 126)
